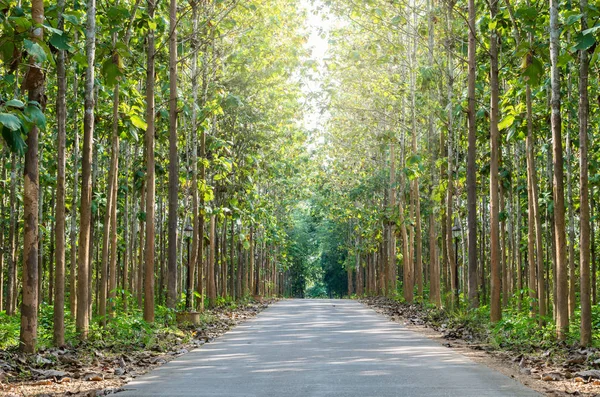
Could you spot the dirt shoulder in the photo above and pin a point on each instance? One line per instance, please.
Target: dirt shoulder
(89, 370)
(552, 374)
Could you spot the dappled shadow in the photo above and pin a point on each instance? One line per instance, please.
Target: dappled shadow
(323, 348)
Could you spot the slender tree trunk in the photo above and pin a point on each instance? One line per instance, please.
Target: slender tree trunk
(173, 159)
(562, 288)
(73, 232)
(593, 247)
(451, 257)
(12, 256)
(472, 153)
(34, 84)
(391, 287)
(496, 310)
(83, 274)
(150, 179)
(127, 253)
(211, 286)
(584, 206)
(139, 281)
(194, 159)
(61, 120)
(2, 233)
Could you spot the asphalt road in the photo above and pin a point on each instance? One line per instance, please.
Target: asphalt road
(324, 348)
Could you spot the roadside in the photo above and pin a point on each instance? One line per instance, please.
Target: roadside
(563, 371)
(91, 369)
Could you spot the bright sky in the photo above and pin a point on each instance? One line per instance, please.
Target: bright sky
(319, 25)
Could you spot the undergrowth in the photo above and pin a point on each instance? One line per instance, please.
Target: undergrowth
(126, 331)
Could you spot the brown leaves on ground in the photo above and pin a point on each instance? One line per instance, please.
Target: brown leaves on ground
(89, 371)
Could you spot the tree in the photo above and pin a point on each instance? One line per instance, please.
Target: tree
(60, 228)
(495, 305)
(85, 212)
(584, 205)
(33, 82)
(471, 173)
(562, 288)
(150, 182)
(173, 159)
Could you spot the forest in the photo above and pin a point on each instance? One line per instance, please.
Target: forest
(164, 157)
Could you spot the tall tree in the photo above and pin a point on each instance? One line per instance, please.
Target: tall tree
(562, 288)
(471, 171)
(150, 172)
(33, 82)
(495, 304)
(60, 228)
(173, 159)
(85, 229)
(584, 205)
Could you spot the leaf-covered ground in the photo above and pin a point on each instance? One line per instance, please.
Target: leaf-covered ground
(99, 368)
(551, 367)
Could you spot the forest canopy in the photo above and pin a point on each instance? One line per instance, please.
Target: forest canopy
(164, 157)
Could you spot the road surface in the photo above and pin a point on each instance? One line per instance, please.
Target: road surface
(323, 348)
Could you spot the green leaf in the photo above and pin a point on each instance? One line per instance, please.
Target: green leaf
(111, 72)
(533, 72)
(14, 140)
(15, 103)
(584, 41)
(138, 121)
(81, 60)
(564, 59)
(506, 122)
(35, 115)
(10, 121)
(53, 30)
(591, 30)
(35, 50)
(60, 42)
(72, 19)
(572, 19)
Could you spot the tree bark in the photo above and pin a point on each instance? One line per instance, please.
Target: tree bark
(61, 119)
(73, 232)
(584, 205)
(150, 182)
(173, 160)
(562, 288)
(12, 255)
(211, 286)
(34, 83)
(495, 304)
(472, 153)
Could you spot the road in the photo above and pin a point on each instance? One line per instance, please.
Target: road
(323, 348)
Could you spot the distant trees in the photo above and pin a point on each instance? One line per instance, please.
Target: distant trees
(234, 124)
(516, 249)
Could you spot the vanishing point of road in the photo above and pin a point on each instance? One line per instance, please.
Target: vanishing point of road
(323, 348)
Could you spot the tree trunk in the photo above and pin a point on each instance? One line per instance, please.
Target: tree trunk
(73, 232)
(12, 232)
(562, 288)
(194, 160)
(83, 287)
(173, 159)
(471, 170)
(150, 182)
(61, 119)
(211, 287)
(34, 83)
(495, 304)
(584, 206)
